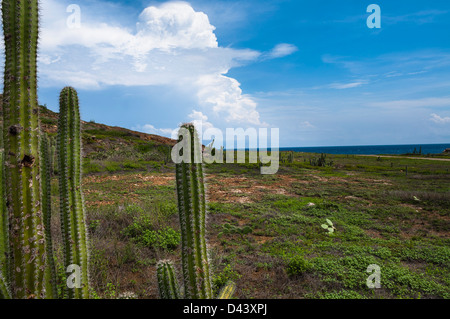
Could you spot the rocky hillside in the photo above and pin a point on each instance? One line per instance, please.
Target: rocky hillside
(96, 134)
(102, 137)
(111, 149)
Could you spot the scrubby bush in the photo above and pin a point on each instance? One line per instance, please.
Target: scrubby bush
(166, 238)
(297, 266)
(142, 232)
(222, 278)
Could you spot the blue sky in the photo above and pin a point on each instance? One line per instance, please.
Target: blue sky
(313, 69)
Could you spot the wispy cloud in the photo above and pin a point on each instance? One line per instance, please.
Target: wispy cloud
(150, 129)
(392, 64)
(306, 126)
(343, 86)
(281, 50)
(439, 120)
(420, 17)
(417, 103)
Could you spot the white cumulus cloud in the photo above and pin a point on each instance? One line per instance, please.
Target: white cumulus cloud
(225, 97)
(170, 44)
(176, 25)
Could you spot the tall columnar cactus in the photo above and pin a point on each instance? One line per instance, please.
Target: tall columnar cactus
(21, 143)
(50, 270)
(192, 213)
(73, 220)
(167, 280)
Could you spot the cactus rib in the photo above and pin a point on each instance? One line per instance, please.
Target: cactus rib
(4, 289)
(50, 270)
(4, 224)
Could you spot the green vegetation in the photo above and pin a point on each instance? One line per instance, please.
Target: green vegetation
(381, 216)
(287, 253)
(142, 233)
(297, 265)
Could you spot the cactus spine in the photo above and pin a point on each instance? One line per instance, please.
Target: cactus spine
(21, 142)
(50, 270)
(167, 281)
(192, 215)
(73, 220)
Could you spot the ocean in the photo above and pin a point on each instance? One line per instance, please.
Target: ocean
(372, 149)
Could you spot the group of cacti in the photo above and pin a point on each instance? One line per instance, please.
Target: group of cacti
(27, 265)
(289, 158)
(321, 161)
(191, 195)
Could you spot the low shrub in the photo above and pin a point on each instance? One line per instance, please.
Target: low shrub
(297, 266)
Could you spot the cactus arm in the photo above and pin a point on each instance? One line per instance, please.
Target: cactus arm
(73, 219)
(227, 291)
(192, 214)
(167, 281)
(50, 271)
(21, 142)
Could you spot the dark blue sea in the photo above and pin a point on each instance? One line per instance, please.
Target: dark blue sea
(372, 149)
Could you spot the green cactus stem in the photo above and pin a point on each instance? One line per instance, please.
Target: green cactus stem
(4, 225)
(53, 157)
(4, 289)
(50, 270)
(73, 219)
(21, 143)
(192, 213)
(167, 280)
